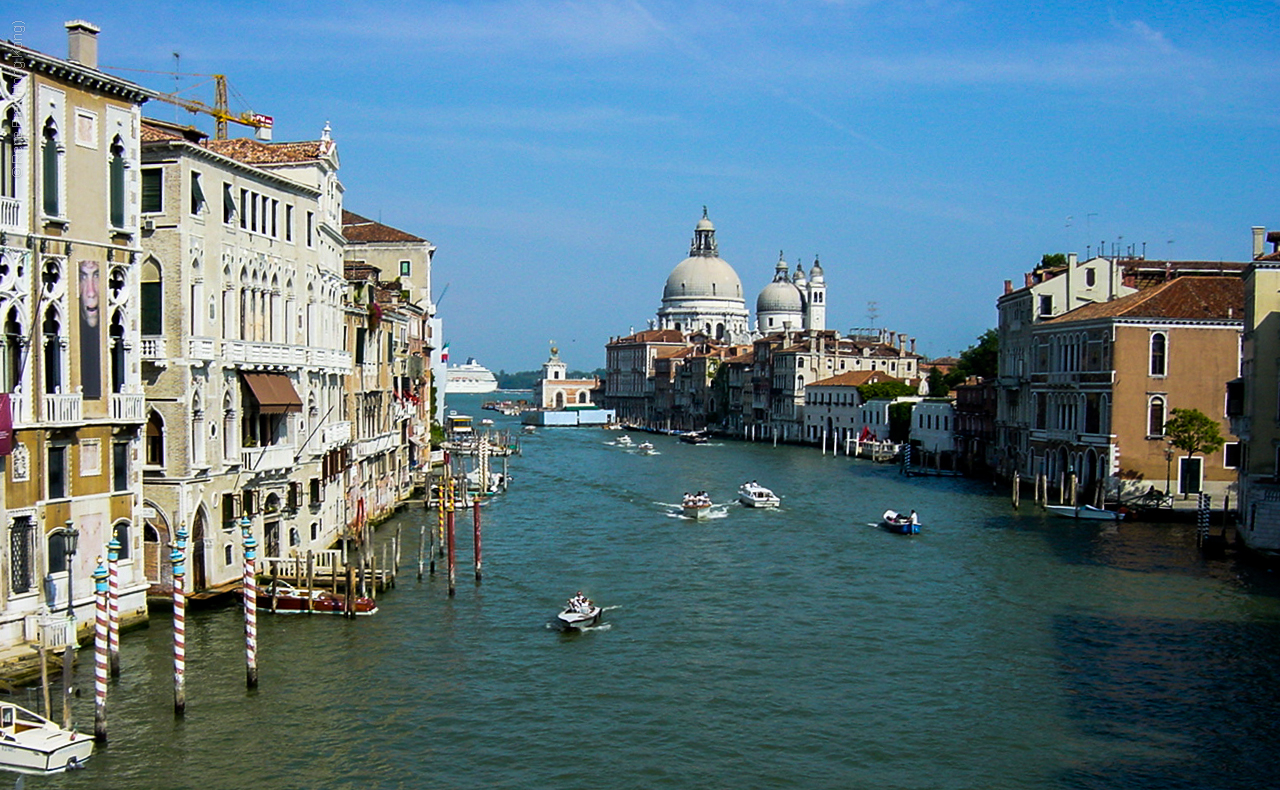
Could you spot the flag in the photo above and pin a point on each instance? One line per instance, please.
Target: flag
(444, 353)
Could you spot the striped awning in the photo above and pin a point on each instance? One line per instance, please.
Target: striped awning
(273, 392)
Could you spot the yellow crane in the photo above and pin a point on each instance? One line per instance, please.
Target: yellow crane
(222, 115)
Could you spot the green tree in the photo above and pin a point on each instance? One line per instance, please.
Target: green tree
(884, 389)
(1052, 260)
(937, 384)
(982, 359)
(1193, 431)
(900, 421)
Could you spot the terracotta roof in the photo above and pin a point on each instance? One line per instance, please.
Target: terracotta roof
(358, 228)
(856, 378)
(154, 134)
(1186, 298)
(653, 336)
(254, 152)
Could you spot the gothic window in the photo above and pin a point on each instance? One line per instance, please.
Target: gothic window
(56, 472)
(52, 353)
(117, 183)
(12, 351)
(51, 162)
(21, 561)
(9, 131)
(197, 195)
(122, 535)
(152, 298)
(116, 351)
(155, 440)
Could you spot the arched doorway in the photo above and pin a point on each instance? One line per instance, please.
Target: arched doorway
(199, 530)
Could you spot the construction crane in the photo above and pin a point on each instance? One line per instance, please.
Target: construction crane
(222, 116)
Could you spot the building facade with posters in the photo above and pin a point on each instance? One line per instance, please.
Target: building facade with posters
(242, 297)
(69, 357)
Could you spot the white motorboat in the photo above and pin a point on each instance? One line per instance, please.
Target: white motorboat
(579, 613)
(32, 744)
(646, 448)
(1085, 511)
(623, 440)
(755, 495)
(696, 506)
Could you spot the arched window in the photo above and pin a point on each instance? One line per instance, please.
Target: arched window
(155, 440)
(52, 352)
(9, 132)
(49, 172)
(1155, 416)
(12, 351)
(152, 298)
(117, 352)
(122, 535)
(582, 397)
(117, 182)
(1158, 351)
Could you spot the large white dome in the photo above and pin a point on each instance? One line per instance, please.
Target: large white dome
(779, 297)
(703, 278)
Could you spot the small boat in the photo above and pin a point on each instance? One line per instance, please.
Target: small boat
(755, 495)
(486, 421)
(646, 448)
(900, 524)
(1085, 511)
(694, 437)
(623, 440)
(696, 506)
(283, 598)
(579, 613)
(529, 429)
(32, 744)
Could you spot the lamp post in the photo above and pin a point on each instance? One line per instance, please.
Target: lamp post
(70, 537)
(1168, 469)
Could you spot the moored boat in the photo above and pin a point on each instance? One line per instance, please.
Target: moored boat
(1085, 511)
(579, 612)
(755, 495)
(32, 744)
(283, 598)
(900, 524)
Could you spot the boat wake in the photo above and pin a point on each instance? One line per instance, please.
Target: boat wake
(555, 625)
(675, 510)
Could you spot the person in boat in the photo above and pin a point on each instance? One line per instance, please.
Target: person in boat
(915, 520)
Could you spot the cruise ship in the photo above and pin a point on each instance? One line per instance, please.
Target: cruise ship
(470, 378)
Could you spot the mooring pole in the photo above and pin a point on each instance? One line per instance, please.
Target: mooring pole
(101, 636)
(476, 510)
(449, 539)
(177, 557)
(113, 606)
(250, 605)
(1016, 482)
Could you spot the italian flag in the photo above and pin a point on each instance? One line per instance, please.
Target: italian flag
(444, 353)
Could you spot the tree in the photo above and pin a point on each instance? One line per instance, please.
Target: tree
(1052, 260)
(1193, 431)
(982, 359)
(884, 389)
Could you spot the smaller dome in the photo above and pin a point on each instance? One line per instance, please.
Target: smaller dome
(779, 296)
(704, 224)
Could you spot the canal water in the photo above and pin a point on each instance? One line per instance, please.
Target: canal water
(797, 648)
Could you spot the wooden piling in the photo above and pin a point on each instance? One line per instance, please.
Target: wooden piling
(476, 540)
(1017, 481)
(101, 648)
(311, 578)
(349, 593)
(449, 538)
(1071, 489)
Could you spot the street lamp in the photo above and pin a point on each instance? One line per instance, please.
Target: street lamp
(70, 537)
(1168, 469)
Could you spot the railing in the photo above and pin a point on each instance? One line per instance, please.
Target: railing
(201, 348)
(10, 212)
(263, 353)
(329, 358)
(63, 408)
(20, 405)
(266, 459)
(127, 407)
(382, 444)
(50, 631)
(335, 434)
(153, 348)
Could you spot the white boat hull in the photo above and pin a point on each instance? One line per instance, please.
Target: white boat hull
(576, 621)
(1084, 511)
(32, 744)
(699, 512)
(757, 496)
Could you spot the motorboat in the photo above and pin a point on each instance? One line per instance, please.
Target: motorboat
(623, 440)
(283, 598)
(900, 524)
(646, 448)
(1084, 511)
(696, 506)
(579, 613)
(694, 437)
(755, 495)
(32, 744)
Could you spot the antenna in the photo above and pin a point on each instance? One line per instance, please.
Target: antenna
(873, 312)
(177, 82)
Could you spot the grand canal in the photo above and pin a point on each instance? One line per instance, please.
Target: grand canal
(802, 648)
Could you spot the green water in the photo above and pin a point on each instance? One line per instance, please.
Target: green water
(797, 648)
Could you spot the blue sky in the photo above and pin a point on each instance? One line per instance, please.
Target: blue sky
(559, 153)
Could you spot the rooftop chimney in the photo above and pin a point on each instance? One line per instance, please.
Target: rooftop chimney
(1008, 286)
(1071, 259)
(1259, 234)
(82, 43)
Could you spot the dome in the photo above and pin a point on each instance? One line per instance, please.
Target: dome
(703, 277)
(779, 296)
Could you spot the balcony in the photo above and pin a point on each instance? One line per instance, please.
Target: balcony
(249, 353)
(11, 213)
(128, 407)
(335, 434)
(63, 408)
(328, 358)
(384, 443)
(201, 348)
(267, 459)
(154, 349)
(20, 406)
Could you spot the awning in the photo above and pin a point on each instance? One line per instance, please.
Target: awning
(273, 392)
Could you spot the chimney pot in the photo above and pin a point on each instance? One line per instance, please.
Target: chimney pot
(1008, 286)
(82, 43)
(1071, 259)
(1259, 235)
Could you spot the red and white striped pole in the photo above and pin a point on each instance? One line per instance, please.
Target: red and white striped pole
(178, 558)
(100, 638)
(250, 605)
(113, 606)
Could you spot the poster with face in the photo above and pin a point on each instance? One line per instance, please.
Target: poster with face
(90, 329)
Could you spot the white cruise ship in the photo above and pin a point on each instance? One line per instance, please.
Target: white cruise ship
(470, 378)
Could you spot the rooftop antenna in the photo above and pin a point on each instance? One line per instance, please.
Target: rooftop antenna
(177, 82)
(873, 312)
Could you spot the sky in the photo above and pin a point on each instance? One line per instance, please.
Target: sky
(558, 153)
